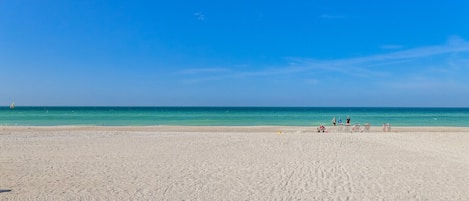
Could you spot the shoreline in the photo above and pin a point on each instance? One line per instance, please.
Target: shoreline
(250, 129)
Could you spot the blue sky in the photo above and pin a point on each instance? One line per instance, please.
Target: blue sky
(234, 53)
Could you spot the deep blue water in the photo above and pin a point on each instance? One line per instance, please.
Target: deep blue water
(230, 116)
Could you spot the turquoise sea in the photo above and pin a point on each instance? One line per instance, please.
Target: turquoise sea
(230, 116)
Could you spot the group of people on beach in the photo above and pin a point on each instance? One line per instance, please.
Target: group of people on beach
(335, 122)
(354, 128)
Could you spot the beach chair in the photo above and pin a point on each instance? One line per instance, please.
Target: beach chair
(356, 128)
(387, 127)
(366, 128)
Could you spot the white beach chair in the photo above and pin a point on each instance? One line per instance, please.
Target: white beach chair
(366, 128)
(356, 128)
(387, 127)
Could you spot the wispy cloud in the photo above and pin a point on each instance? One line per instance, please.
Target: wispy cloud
(199, 16)
(205, 70)
(379, 65)
(204, 78)
(419, 82)
(454, 45)
(391, 47)
(367, 66)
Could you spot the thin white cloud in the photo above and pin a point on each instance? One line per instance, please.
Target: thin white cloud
(270, 71)
(202, 79)
(391, 47)
(419, 82)
(391, 62)
(361, 66)
(205, 70)
(200, 16)
(368, 66)
(452, 46)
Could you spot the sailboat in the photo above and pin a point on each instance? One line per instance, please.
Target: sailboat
(12, 105)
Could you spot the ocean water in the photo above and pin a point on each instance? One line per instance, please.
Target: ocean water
(230, 116)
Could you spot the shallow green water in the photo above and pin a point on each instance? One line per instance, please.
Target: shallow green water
(230, 116)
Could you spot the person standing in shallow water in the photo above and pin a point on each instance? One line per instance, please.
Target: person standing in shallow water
(348, 120)
(333, 121)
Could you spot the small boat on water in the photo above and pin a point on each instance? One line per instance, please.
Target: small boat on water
(12, 105)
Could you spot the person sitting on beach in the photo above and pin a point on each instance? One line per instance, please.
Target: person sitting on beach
(356, 128)
(321, 128)
(386, 127)
(366, 127)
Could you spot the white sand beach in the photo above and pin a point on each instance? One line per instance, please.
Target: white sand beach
(233, 163)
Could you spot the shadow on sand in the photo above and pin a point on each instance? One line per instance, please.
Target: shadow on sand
(4, 191)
